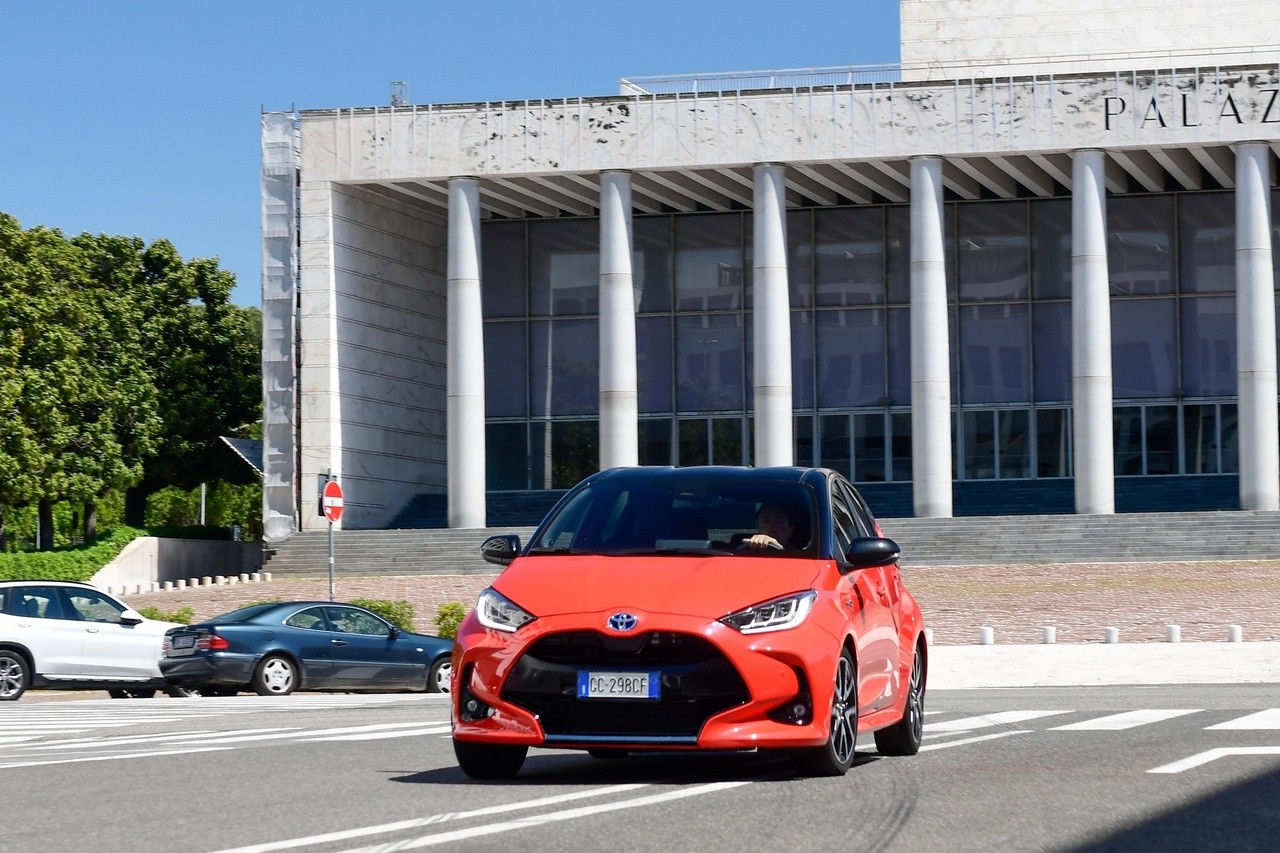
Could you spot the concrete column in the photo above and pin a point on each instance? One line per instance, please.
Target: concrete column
(1091, 337)
(771, 320)
(1256, 331)
(930, 345)
(619, 400)
(465, 353)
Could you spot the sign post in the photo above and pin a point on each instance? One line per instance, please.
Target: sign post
(331, 502)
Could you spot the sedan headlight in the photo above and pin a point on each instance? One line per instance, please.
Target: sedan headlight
(778, 614)
(500, 613)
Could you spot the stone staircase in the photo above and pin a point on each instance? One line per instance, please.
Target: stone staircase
(972, 540)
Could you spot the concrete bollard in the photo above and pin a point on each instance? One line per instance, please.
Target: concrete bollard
(1113, 635)
(1173, 633)
(266, 576)
(1049, 636)
(244, 578)
(255, 577)
(137, 589)
(1235, 634)
(167, 585)
(181, 583)
(155, 586)
(206, 581)
(986, 636)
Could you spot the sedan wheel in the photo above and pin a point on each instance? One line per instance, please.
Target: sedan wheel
(275, 676)
(835, 757)
(14, 675)
(904, 736)
(438, 676)
(489, 760)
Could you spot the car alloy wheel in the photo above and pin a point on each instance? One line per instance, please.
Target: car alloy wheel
(438, 676)
(14, 677)
(835, 757)
(275, 676)
(904, 736)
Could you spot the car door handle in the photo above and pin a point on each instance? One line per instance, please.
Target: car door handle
(338, 642)
(93, 630)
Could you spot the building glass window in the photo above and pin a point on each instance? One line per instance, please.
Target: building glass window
(1208, 346)
(1051, 248)
(979, 445)
(564, 267)
(653, 363)
(1207, 242)
(505, 373)
(1014, 448)
(835, 443)
(652, 269)
(995, 353)
(564, 362)
(655, 442)
(1053, 443)
(694, 437)
(897, 253)
(727, 447)
(802, 436)
(502, 258)
(1143, 349)
(802, 360)
(1140, 244)
(1160, 439)
(506, 456)
(991, 251)
(1051, 338)
(709, 262)
(800, 257)
(849, 257)
(709, 363)
(899, 346)
(869, 448)
(901, 446)
(851, 349)
(1127, 440)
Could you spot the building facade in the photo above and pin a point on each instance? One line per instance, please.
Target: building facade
(989, 280)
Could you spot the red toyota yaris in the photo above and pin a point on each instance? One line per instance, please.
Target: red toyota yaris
(706, 608)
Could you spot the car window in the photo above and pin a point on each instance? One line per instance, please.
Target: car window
(861, 515)
(312, 618)
(347, 620)
(94, 606)
(41, 602)
(842, 518)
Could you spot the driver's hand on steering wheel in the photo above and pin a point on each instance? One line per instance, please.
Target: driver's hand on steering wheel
(761, 540)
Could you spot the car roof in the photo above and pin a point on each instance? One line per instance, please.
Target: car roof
(43, 582)
(744, 473)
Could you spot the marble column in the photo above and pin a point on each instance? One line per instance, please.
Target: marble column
(930, 345)
(771, 320)
(1095, 490)
(465, 353)
(1256, 331)
(619, 400)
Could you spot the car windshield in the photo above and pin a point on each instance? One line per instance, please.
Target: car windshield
(677, 514)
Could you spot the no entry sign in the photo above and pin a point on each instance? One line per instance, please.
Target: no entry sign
(331, 500)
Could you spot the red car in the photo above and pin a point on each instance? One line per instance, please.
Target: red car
(707, 608)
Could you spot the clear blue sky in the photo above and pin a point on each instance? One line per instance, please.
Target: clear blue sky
(142, 118)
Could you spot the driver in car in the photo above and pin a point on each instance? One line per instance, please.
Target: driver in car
(777, 530)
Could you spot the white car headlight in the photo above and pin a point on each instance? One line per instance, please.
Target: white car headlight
(500, 613)
(778, 614)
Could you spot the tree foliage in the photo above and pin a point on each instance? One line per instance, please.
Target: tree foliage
(121, 364)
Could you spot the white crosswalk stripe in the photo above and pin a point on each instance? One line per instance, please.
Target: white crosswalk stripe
(1267, 720)
(1000, 718)
(1126, 720)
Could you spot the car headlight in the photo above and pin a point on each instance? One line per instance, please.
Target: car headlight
(777, 614)
(500, 613)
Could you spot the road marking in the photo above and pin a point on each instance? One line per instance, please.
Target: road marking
(433, 730)
(976, 739)
(550, 817)
(1212, 755)
(346, 834)
(236, 737)
(1264, 720)
(109, 742)
(50, 761)
(1127, 720)
(1001, 718)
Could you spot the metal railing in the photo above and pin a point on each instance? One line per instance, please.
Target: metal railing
(742, 81)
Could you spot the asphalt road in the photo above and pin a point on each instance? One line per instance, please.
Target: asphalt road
(1099, 768)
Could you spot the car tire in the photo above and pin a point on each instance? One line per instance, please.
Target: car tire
(131, 693)
(15, 675)
(904, 736)
(835, 757)
(489, 760)
(276, 675)
(438, 675)
(215, 690)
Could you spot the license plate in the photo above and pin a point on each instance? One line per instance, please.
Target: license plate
(183, 642)
(619, 685)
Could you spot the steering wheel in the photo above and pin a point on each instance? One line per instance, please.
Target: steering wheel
(744, 545)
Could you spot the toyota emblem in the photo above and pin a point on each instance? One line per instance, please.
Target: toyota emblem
(622, 622)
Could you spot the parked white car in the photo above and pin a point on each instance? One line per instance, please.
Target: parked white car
(56, 635)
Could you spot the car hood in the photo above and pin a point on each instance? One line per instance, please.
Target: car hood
(709, 586)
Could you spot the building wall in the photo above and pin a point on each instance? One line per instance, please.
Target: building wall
(373, 401)
(993, 37)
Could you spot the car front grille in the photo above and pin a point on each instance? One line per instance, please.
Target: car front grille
(697, 683)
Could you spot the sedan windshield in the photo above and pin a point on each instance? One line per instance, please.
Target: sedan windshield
(680, 515)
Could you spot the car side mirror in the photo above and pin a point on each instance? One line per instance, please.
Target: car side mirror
(500, 550)
(872, 551)
(395, 632)
(129, 616)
